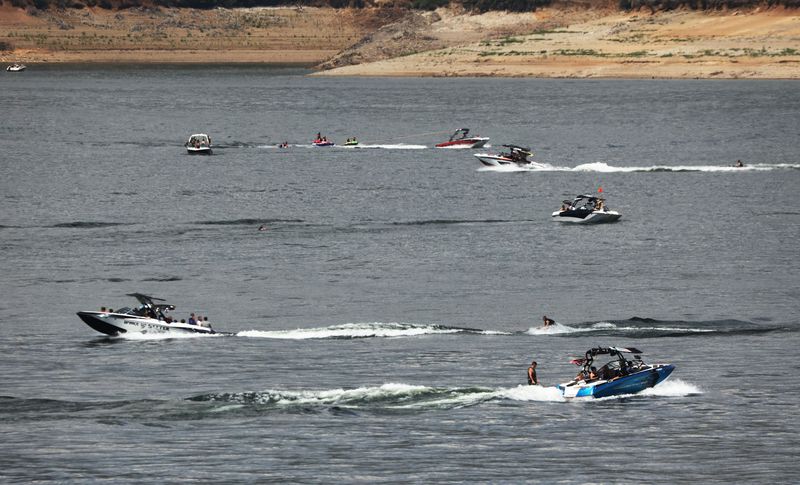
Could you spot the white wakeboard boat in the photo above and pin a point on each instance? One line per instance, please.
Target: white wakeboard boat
(585, 209)
(516, 155)
(149, 317)
(199, 144)
(16, 67)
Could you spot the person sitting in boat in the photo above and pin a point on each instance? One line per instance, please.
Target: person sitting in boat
(532, 380)
(192, 320)
(592, 375)
(547, 321)
(739, 164)
(599, 205)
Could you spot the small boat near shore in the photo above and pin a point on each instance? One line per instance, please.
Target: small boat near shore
(617, 377)
(585, 209)
(199, 144)
(148, 318)
(16, 67)
(461, 139)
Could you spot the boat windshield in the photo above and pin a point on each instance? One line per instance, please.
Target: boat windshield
(584, 203)
(618, 367)
(199, 138)
(460, 134)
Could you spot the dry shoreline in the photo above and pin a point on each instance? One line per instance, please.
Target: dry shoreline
(579, 43)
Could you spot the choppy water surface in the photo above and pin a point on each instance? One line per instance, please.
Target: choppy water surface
(381, 326)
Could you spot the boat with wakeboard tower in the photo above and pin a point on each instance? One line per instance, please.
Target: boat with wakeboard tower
(461, 139)
(619, 376)
(147, 318)
(515, 155)
(585, 209)
(199, 144)
(16, 67)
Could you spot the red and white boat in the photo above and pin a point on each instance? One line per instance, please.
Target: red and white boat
(461, 139)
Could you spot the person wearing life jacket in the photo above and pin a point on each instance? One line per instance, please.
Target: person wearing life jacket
(532, 380)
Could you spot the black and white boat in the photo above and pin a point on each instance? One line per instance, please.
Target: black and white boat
(515, 156)
(199, 144)
(16, 67)
(585, 209)
(148, 317)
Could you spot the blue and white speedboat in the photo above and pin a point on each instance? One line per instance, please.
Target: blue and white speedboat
(617, 377)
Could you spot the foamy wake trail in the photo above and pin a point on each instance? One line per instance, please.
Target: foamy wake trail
(603, 167)
(606, 168)
(397, 146)
(398, 397)
(559, 329)
(360, 330)
(556, 329)
(389, 396)
(673, 388)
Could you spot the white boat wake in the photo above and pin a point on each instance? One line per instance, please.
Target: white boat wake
(363, 330)
(602, 167)
(400, 396)
(560, 329)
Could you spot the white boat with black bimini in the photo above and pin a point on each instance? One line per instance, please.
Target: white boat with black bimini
(585, 209)
(148, 317)
(199, 144)
(516, 155)
(16, 67)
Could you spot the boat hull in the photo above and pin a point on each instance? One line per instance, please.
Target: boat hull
(475, 142)
(581, 217)
(324, 144)
(199, 151)
(630, 384)
(118, 324)
(493, 160)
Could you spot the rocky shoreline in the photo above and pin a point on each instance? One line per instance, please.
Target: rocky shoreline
(552, 42)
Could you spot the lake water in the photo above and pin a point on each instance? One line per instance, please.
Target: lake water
(384, 321)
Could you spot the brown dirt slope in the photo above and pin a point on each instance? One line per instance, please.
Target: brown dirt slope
(565, 43)
(303, 35)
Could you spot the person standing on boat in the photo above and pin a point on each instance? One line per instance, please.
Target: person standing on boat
(532, 380)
